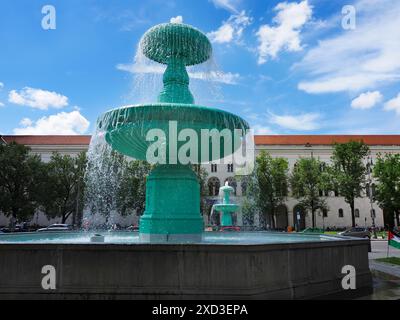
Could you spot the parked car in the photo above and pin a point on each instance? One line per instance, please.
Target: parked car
(357, 232)
(229, 229)
(56, 227)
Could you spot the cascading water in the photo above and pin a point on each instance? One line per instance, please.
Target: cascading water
(173, 192)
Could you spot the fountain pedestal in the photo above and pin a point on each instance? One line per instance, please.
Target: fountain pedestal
(172, 205)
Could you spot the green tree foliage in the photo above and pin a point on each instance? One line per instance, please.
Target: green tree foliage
(202, 176)
(131, 193)
(62, 187)
(308, 178)
(267, 189)
(348, 171)
(387, 192)
(19, 175)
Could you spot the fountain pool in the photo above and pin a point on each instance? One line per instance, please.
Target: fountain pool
(120, 237)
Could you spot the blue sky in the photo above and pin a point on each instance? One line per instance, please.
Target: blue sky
(288, 67)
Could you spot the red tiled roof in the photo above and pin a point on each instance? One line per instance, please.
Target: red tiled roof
(382, 140)
(49, 140)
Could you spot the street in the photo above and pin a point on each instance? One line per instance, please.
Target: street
(380, 249)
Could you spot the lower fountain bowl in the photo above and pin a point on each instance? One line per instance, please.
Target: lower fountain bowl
(240, 265)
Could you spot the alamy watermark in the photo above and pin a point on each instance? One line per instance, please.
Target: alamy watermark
(49, 21)
(49, 279)
(349, 19)
(188, 146)
(349, 280)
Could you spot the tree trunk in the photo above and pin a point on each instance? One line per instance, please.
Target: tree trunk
(313, 217)
(353, 216)
(397, 213)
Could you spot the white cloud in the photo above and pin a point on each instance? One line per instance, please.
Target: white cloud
(63, 123)
(1, 85)
(229, 5)
(305, 122)
(289, 20)
(26, 122)
(231, 30)
(393, 105)
(153, 68)
(38, 98)
(177, 19)
(140, 67)
(367, 100)
(2, 104)
(261, 130)
(358, 59)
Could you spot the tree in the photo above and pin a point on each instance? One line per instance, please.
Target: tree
(387, 191)
(268, 186)
(19, 173)
(131, 193)
(63, 186)
(202, 176)
(307, 180)
(349, 171)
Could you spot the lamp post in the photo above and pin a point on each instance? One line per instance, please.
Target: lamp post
(370, 163)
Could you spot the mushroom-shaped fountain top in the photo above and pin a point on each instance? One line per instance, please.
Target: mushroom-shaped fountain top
(168, 41)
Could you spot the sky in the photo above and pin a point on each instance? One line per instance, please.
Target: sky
(287, 67)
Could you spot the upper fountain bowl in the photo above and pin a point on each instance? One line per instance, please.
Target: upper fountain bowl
(176, 40)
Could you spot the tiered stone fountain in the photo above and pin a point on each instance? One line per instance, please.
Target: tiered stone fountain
(226, 207)
(173, 192)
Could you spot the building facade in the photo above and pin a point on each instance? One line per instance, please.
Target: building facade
(290, 147)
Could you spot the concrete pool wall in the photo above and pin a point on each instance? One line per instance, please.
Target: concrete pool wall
(169, 271)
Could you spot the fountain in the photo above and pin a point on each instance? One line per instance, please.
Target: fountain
(172, 215)
(171, 257)
(226, 207)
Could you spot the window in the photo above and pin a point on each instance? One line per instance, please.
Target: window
(357, 213)
(230, 167)
(325, 213)
(213, 186)
(367, 190)
(340, 213)
(336, 191)
(213, 168)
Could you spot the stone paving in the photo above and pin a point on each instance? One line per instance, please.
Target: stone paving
(386, 277)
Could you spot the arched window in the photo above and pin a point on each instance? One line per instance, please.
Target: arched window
(357, 213)
(213, 186)
(232, 183)
(341, 213)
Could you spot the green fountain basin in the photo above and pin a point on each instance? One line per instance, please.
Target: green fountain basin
(127, 127)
